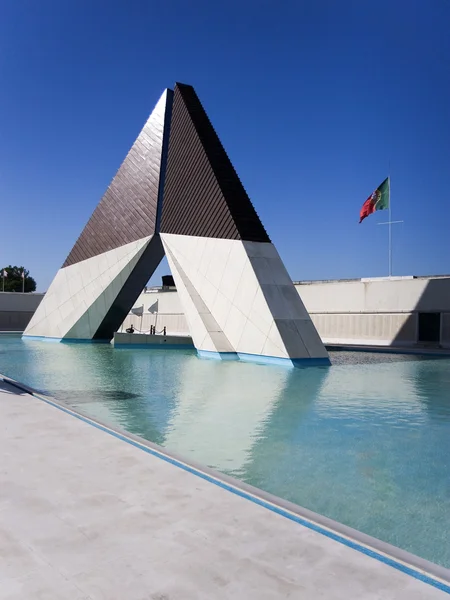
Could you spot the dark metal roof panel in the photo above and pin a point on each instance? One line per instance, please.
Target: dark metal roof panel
(127, 212)
(203, 195)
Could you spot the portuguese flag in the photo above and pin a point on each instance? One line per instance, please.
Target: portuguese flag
(378, 200)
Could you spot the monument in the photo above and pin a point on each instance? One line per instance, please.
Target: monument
(177, 193)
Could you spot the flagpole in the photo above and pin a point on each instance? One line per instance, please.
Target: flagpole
(389, 223)
(390, 228)
(23, 281)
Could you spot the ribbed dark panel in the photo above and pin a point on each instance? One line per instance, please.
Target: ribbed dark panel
(128, 210)
(203, 195)
(134, 285)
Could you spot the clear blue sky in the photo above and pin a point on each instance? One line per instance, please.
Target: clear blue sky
(312, 99)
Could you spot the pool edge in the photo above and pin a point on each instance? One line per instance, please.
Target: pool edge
(410, 564)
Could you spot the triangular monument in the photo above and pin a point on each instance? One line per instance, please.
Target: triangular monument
(177, 193)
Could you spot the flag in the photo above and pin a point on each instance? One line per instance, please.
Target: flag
(138, 311)
(5, 274)
(378, 200)
(23, 274)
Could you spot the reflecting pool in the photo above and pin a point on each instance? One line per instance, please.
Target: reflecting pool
(365, 441)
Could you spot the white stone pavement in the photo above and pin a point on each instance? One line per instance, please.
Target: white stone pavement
(84, 515)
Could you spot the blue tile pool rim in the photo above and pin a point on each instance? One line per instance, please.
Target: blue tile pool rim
(414, 566)
(42, 338)
(265, 360)
(153, 346)
(244, 357)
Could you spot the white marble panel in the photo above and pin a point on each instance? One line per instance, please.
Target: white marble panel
(234, 326)
(196, 327)
(197, 247)
(82, 328)
(275, 340)
(48, 310)
(184, 246)
(221, 308)
(237, 260)
(97, 311)
(112, 258)
(246, 290)
(260, 314)
(54, 325)
(92, 291)
(220, 251)
(127, 265)
(78, 286)
(271, 349)
(237, 289)
(206, 291)
(210, 323)
(59, 288)
(206, 344)
(67, 308)
(85, 329)
(220, 342)
(69, 320)
(252, 340)
(85, 273)
(206, 260)
(110, 293)
(100, 265)
(197, 294)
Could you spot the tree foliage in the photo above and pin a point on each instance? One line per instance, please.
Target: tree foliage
(13, 280)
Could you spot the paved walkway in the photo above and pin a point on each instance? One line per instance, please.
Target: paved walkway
(84, 515)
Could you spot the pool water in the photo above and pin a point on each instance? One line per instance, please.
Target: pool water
(365, 441)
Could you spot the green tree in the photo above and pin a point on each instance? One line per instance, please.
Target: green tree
(14, 281)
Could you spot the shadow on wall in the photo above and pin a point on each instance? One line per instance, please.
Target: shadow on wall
(428, 325)
(15, 320)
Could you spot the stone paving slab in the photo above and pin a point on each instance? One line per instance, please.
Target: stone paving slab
(86, 516)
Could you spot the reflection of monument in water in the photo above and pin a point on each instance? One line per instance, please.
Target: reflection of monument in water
(210, 411)
(332, 433)
(431, 378)
(279, 449)
(223, 412)
(121, 388)
(383, 383)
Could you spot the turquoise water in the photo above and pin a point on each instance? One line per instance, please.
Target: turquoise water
(365, 442)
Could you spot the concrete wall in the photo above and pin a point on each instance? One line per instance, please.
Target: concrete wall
(16, 309)
(161, 309)
(126, 340)
(378, 312)
(372, 296)
(371, 312)
(361, 312)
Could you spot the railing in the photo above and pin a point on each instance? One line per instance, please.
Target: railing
(174, 323)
